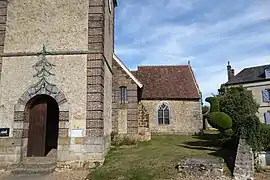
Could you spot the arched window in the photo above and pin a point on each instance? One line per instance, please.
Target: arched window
(163, 114)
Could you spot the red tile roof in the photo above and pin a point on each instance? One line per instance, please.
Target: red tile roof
(167, 82)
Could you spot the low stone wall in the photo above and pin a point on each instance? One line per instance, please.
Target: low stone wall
(244, 162)
(200, 168)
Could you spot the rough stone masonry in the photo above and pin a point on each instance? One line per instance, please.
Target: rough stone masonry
(83, 82)
(244, 162)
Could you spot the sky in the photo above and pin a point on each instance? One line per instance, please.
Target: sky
(208, 33)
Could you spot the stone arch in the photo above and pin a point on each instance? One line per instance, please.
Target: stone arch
(21, 123)
(169, 107)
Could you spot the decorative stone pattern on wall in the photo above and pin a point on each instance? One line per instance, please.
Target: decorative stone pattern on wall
(143, 123)
(99, 80)
(3, 20)
(81, 77)
(21, 121)
(186, 116)
(121, 78)
(244, 162)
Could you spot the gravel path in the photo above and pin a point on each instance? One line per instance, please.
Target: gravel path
(57, 175)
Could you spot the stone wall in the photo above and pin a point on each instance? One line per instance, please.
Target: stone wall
(125, 116)
(84, 80)
(244, 162)
(185, 116)
(99, 79)
(3, 21)
(143, 123)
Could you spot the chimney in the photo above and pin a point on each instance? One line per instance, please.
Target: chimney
(230, 71)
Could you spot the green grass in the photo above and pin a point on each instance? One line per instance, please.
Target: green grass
(155, 159)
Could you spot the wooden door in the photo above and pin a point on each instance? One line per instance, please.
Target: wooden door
(37, 129)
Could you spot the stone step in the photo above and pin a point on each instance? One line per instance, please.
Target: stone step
(36, 165)
(32, 171)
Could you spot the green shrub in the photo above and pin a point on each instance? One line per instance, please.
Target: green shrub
(113, 135)
(124, 140)
(228, 132)
(220, 121)
(237, 102)
(251, 130)
(265, 137)
(214, 104)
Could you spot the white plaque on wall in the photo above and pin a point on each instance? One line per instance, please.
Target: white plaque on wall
(76, 133)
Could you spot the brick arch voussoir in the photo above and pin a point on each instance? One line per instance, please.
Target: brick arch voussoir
(20, 128)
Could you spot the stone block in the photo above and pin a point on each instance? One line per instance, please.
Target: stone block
(63, 132)
(94, 115)
(63, 140)
(94, 39)
(78, 140)
(97, 79)
(94, 124)
(96, 3)
(63, 155)
(63, 147)
(3, 19)
(96, 9)
(18, 125)
(132, 124)
(10, 158)
(76, 148)
(96, 46)
(64, 116)
(95, 72)
(96, 17)
(93, 31)
(7, 150)
(63, 125)
(93, 148)
(3, 4)
(93, 140)
(10, 142)
(19, 107)
(18, 115)
(64, 107)
(94, 105)
(93, 88)
(95, 132)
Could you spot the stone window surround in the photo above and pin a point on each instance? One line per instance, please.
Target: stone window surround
(21, 119)
(170, 112)
(123, 100)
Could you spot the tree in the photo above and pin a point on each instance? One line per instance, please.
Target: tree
(238, 103)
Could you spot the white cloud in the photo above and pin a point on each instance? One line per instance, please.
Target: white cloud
(174, 32)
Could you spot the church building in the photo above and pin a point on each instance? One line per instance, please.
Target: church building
(63, 91)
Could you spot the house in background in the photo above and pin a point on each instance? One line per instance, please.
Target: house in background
(165, 99)
(256, 79)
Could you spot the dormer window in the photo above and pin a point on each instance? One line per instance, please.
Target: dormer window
(267, 73)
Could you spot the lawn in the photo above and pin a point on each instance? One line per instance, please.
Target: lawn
(155, 159)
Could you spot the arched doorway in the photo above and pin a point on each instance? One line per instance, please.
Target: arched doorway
(42, 112)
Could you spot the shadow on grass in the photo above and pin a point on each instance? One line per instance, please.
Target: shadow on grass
(223, 148)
